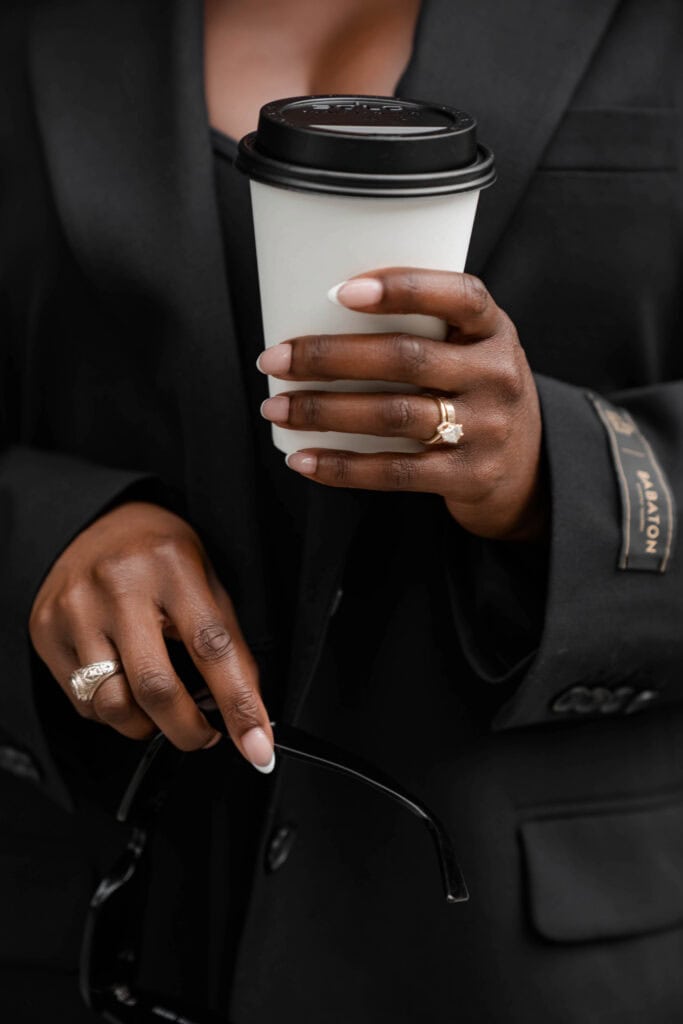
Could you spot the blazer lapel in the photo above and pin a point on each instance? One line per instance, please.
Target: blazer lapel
(120, 102)
(119, 98)
(515, 66)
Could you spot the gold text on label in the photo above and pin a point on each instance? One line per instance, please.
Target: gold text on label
(653, 520)
(619, 423)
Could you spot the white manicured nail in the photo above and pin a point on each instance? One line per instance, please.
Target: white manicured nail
(334, 291)
(357, 292)
(259, 750)
(266, 769)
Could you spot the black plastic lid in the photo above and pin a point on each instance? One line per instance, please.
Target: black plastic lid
(367, 146)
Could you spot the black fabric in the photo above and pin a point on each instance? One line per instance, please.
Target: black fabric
(42, 857)
(612, 873)
(39, 995)
(119, 364)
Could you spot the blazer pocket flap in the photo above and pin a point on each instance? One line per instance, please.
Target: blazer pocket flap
(604, 875)
(613, 140)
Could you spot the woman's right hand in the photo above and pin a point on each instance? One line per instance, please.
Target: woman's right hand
(135, 576)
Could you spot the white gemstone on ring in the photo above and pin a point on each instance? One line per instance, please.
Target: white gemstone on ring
(450, 432)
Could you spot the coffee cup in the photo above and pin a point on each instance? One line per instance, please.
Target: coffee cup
(346, 184)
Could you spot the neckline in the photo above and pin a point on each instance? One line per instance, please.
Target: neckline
(228, 145)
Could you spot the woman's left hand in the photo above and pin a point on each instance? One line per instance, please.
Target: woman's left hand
(491, 480)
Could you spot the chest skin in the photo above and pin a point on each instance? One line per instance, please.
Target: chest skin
(256, 52)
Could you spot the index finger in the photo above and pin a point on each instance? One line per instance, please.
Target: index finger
(462, 300)
(209, 629)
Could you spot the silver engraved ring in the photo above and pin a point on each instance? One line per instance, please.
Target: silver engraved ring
(86, 681)
(448, 430)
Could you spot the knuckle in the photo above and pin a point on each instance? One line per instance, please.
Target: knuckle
(41, 619)
(306, 408)
(410, 282)
(487, 475)
(398, 413)
(511, 373)
(242, 708)
(408, 352)
(212, 642)
(154, 686)
(312, 356)
(338, 467)
(474, 294)
(510, 384)
(167, 550)
(72, 599)
(400, 473)
(115, 573)
(498, 429)
(107, 567)
(113, 705)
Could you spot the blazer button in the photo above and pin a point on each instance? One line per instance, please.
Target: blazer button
(585, 700)
(616, 699)
(578, 699)
(279, 847)
(603, 700)
(641, 700)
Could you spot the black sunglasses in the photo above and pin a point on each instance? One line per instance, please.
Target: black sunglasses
(111, 941)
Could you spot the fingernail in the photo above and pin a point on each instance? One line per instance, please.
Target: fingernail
(275, 360)
(302, 463)
(213, 741)
(259, 750)
(359, 291)
(276, 408)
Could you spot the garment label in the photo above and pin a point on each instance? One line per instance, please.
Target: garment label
(647, 501)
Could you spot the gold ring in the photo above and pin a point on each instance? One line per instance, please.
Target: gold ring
(448, 431)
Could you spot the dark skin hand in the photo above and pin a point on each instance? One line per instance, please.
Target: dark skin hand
(491, 480)
(137, 575)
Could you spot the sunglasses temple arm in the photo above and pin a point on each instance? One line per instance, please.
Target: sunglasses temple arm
(301, 745)
(161, 756)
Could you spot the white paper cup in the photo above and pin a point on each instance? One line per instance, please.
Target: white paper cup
(311, 234)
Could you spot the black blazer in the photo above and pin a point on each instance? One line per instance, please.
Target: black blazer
(117, 362)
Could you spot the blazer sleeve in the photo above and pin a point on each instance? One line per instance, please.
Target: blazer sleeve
(46, 499)
(577, 634)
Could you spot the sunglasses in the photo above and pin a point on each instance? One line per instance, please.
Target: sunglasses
(113, 930)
